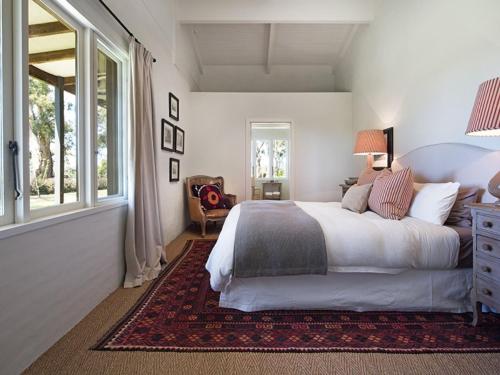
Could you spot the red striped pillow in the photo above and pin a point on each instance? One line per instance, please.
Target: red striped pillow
(391, 194)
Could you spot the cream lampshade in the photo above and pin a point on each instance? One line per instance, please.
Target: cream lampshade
(485, 121)
(370, 142)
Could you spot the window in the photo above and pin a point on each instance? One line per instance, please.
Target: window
(67, 111)
(53, 122)
(108, 143)
(262, 162)
(280, 158)
(3, 153)
(270, 159)
(6, 185)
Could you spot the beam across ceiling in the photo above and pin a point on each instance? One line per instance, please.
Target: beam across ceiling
(43, 57)
(345, 46)
(270, 46)
(197, 55)
(69, 82)
(46, 29)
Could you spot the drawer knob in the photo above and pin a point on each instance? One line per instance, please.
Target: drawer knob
(487, 247)
(487, 292)
(487, 224)
(486, 269)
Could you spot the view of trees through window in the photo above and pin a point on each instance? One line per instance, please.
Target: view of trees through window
(45, 149)
(53, 136)
(271, 162)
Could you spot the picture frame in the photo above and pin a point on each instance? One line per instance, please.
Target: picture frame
(175, 167)
(179, 140)
(167, 136)
(385, 161)
(173, 107)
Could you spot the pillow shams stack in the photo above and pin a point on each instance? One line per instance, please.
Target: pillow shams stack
(356, 198)
(392, 193)
(433, 202)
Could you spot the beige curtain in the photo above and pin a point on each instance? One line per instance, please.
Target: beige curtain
(143, 241)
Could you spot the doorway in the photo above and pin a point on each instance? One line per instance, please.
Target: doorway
(269, 161)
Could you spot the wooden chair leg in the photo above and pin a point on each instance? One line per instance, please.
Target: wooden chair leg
(203, 228)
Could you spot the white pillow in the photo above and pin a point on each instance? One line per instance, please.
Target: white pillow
(433, 202)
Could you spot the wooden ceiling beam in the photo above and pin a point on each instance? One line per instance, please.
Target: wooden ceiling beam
(46, 29)
(43, 57)
(345, 46)
(69, 82)
(270, 47)
(196, 50)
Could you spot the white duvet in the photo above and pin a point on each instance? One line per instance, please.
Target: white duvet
(356, 243)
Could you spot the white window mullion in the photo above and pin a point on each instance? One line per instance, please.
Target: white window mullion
(6, 120)
(91, 120)
(20, 105)
(116, 117)
(82, 113)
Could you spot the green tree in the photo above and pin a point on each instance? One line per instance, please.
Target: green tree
(42, 121)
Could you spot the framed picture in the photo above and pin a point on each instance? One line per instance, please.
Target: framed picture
(385, 161)
(167, 135)
(175, 166)
(173, 107)
(179, 140)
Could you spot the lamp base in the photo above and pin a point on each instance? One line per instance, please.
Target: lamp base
(494, 187)
(369, 161)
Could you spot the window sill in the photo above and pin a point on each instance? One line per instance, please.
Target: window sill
(17, 229)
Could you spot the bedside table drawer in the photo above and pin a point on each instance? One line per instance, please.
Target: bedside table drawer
(486, 245)
(488, 267)
(488, 292)
(488, 224)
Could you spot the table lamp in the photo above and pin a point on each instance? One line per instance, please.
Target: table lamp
(485, 121)
(370, 142)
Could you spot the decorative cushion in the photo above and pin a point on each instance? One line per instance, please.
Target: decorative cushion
(391, 194)
(432, 202)
(460, 215)
(369, 175)
(210, 196)
(356, 198)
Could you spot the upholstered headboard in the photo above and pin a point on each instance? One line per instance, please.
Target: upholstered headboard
(444, 162)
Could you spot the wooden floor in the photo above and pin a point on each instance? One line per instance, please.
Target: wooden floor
(71, 355)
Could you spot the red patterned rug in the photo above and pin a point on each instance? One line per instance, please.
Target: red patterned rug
(179, 312)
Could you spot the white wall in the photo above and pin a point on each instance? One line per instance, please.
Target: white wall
(52, 277)
(321, 132)
(417, 67)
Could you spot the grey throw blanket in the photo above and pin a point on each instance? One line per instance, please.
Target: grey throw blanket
(277, 239)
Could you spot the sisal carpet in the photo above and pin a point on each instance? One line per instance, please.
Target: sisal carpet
(179, 312)
(71, 354)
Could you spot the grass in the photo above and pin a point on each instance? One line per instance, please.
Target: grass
(48, 200)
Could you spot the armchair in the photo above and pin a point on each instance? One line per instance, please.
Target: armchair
(197, 212)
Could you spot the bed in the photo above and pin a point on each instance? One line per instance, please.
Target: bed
(373, 263)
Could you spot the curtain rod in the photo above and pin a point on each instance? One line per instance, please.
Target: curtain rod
(121, 23)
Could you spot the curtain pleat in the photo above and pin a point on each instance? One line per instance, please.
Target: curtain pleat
(144, 248)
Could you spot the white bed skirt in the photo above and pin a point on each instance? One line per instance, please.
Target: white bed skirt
(414, 290)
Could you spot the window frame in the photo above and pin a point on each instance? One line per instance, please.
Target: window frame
(273, 141)
(270, 141)
(121, 59)
(80, 120)
(6, 116)
(14, 123)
